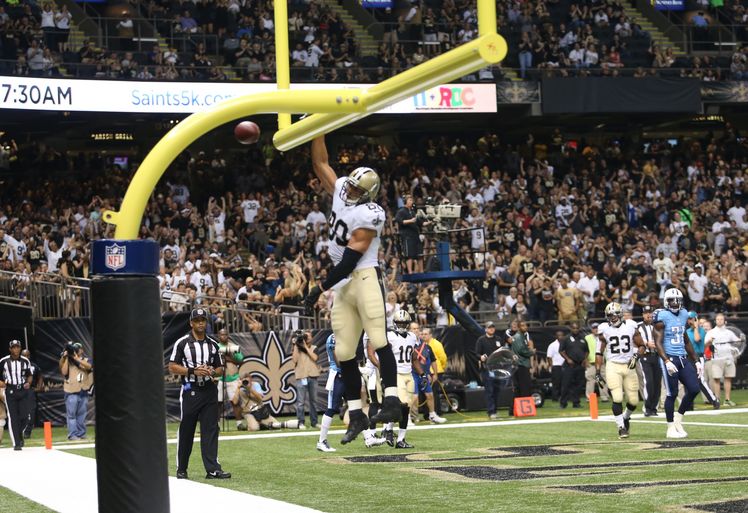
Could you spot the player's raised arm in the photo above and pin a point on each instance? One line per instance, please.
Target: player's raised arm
(321, 165)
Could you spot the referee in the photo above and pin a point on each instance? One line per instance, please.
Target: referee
(197, 359)
(650, 364)
(16, 380)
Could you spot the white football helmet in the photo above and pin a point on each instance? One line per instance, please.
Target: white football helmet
(673, 300)
(401, 319)
(361, 186)
(614, 314)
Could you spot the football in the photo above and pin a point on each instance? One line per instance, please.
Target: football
(247, 132)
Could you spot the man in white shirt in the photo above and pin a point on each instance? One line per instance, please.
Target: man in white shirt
(696, 285)
(563, 212)
(322, 243)
(556, 362)
(663, 267)
(719, 228)
(722, 365)
(315, 217)
(576, 56)
(474, 197)
(201, 279)
(737, 213)
(589, 284)
(251, 208)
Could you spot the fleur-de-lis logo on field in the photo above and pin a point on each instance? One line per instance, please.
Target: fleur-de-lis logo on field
(273, 369)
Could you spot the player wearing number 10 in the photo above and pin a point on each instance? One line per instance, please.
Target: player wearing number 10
(673, 346)
(356, 223)
(620, 342)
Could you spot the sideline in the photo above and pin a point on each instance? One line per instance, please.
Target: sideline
(50, 488)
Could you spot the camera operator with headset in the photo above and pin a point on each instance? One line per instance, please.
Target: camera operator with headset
(410, 236)
(307, 371)
(77, 372)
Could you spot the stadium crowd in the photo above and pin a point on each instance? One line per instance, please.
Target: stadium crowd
(561, 225)
(235, 38)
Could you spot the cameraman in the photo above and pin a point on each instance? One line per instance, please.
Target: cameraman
(77, 372)
(410, 237)
(307, 372)
(254, 414)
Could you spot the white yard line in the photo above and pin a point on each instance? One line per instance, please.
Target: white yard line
(458, 425)
(49, 488)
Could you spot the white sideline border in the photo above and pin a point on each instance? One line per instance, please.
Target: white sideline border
(50, 488)
(459, 425)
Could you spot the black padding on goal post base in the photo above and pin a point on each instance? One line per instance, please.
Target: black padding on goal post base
(131, 458)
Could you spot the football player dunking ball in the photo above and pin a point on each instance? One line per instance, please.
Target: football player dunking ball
(356, 223)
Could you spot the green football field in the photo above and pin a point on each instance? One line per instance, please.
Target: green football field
(557, 462)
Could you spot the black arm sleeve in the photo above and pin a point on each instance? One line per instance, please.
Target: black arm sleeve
(345, 267)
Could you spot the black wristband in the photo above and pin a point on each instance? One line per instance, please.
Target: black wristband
(345, 267)
(190, 372)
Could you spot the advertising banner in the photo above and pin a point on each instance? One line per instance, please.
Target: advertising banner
(188, 97)
(668, 5)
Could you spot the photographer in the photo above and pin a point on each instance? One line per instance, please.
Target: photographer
(410, 237)
(254, 415)
(77, 372)
(307, 372)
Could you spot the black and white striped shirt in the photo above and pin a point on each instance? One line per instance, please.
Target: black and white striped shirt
(14, 372)
(191, 353)
(647, 333)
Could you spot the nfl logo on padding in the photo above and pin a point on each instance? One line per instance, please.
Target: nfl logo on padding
(116, 256)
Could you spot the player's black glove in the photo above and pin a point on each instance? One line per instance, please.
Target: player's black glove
(600, 380)
(311, 300)
(634, 359)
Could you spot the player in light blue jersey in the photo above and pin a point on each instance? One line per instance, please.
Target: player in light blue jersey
(678, 360)
(335, 390)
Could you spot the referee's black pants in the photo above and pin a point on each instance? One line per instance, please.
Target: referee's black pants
(198, 404)
(652, 377)
(17, 404)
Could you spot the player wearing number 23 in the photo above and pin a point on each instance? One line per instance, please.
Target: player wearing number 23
(678, 360)
(620, 343)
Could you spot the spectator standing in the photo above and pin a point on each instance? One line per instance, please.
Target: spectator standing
(697, 283)
(575, 352)
(77, 372)
(716, 294)
(307, 371)
(568, 300)
(589, 285)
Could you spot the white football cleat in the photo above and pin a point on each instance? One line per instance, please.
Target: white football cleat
(374, 441)
(678, 423)
(436, 419)
(674, 433)
(325, 447)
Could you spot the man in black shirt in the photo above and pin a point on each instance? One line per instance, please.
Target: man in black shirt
(486, 345)
(409, 236)
(197, 359)
(574, 349)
